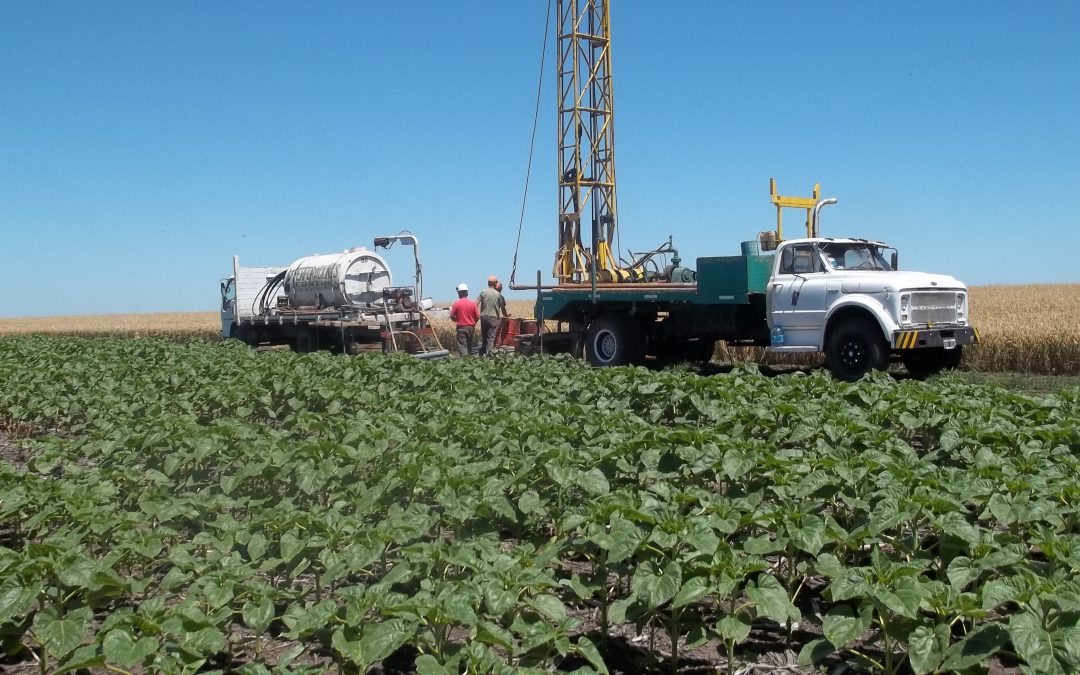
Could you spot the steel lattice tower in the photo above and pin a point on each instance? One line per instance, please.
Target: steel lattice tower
(586, 142)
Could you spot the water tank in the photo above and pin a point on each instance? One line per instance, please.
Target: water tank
(355, 277)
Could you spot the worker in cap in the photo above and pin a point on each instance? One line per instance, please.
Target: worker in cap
(464, 314)
(492, 308)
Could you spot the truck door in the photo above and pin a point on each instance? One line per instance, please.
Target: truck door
(228, 306)
(796, 300)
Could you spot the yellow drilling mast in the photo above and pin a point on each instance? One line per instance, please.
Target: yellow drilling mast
(586, 144)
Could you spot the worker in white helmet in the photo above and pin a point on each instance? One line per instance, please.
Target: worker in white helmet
(464, 314)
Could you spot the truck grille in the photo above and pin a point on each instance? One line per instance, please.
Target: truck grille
(933, 307)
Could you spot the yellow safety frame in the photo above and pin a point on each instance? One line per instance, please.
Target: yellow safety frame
(783, 202)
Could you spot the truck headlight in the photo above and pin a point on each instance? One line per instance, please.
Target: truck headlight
(961, 307)
(905, 300)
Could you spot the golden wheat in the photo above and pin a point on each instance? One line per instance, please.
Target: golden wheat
(1024, 329)
(172, 325)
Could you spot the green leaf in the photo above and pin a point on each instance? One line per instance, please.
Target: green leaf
(586, 648)
(426, 664)
(733, 628)
(771, 599)
(121, 648)
(815, 651)
(618, 609)
(1000, 591)
(62, 634)
(622, 541)
(303, 621)
(203, 642)
(217, 595)
(258, 616)
(961, 572)
(903, 599)
(549, 606)
(594, 481)
(1033, 643)
(762, 545)
(957, 525)
(459, 606)
(529, 502)
(534, 631)
(256, 546)
(15, 601)
(1067, 645)
(291, 546)
(657, 586)
(346, 641)
(693, 590)
(383, 639)
(493, 634)
(82, 659)
(976, 647)
(926, 647)
(827, 564)
(735, 466)
(842, 625)
(810, 537)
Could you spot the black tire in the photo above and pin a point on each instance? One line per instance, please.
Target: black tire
(855, 348)
(701, 351)
(667, 352)
(922, 363)
(303, 343)
(613, 341)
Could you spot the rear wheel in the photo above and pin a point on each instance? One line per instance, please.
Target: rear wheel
(855, 348)
(613, 341)
(925, 362)
(700, 351)
(668, 352)
(303, 343)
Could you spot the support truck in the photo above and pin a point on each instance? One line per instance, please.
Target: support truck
(345, 302)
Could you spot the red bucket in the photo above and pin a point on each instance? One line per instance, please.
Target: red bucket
(507, 332)
(528, 327)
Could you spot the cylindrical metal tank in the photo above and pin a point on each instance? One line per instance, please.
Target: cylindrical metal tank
(355, 277)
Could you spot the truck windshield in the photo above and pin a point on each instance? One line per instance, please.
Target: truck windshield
(854, 256)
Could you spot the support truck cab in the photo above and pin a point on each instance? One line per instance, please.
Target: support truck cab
(846, 298)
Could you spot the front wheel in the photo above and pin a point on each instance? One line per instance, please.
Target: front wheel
(613, 341)
(855, 348)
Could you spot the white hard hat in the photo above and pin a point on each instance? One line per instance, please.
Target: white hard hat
(463, 287)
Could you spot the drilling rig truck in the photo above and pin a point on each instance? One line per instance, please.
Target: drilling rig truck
(844, 297)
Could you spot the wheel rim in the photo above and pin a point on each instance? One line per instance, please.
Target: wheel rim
(605, 346)
(854, 354)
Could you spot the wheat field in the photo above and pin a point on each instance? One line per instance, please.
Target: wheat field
(1029, 328)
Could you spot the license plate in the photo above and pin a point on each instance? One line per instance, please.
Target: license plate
(948, 343)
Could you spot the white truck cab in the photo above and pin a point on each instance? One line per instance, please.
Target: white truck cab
(846, 298)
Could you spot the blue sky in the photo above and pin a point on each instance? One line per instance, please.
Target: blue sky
(142, 144)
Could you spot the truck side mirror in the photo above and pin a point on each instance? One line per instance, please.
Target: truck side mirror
(894, 259)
